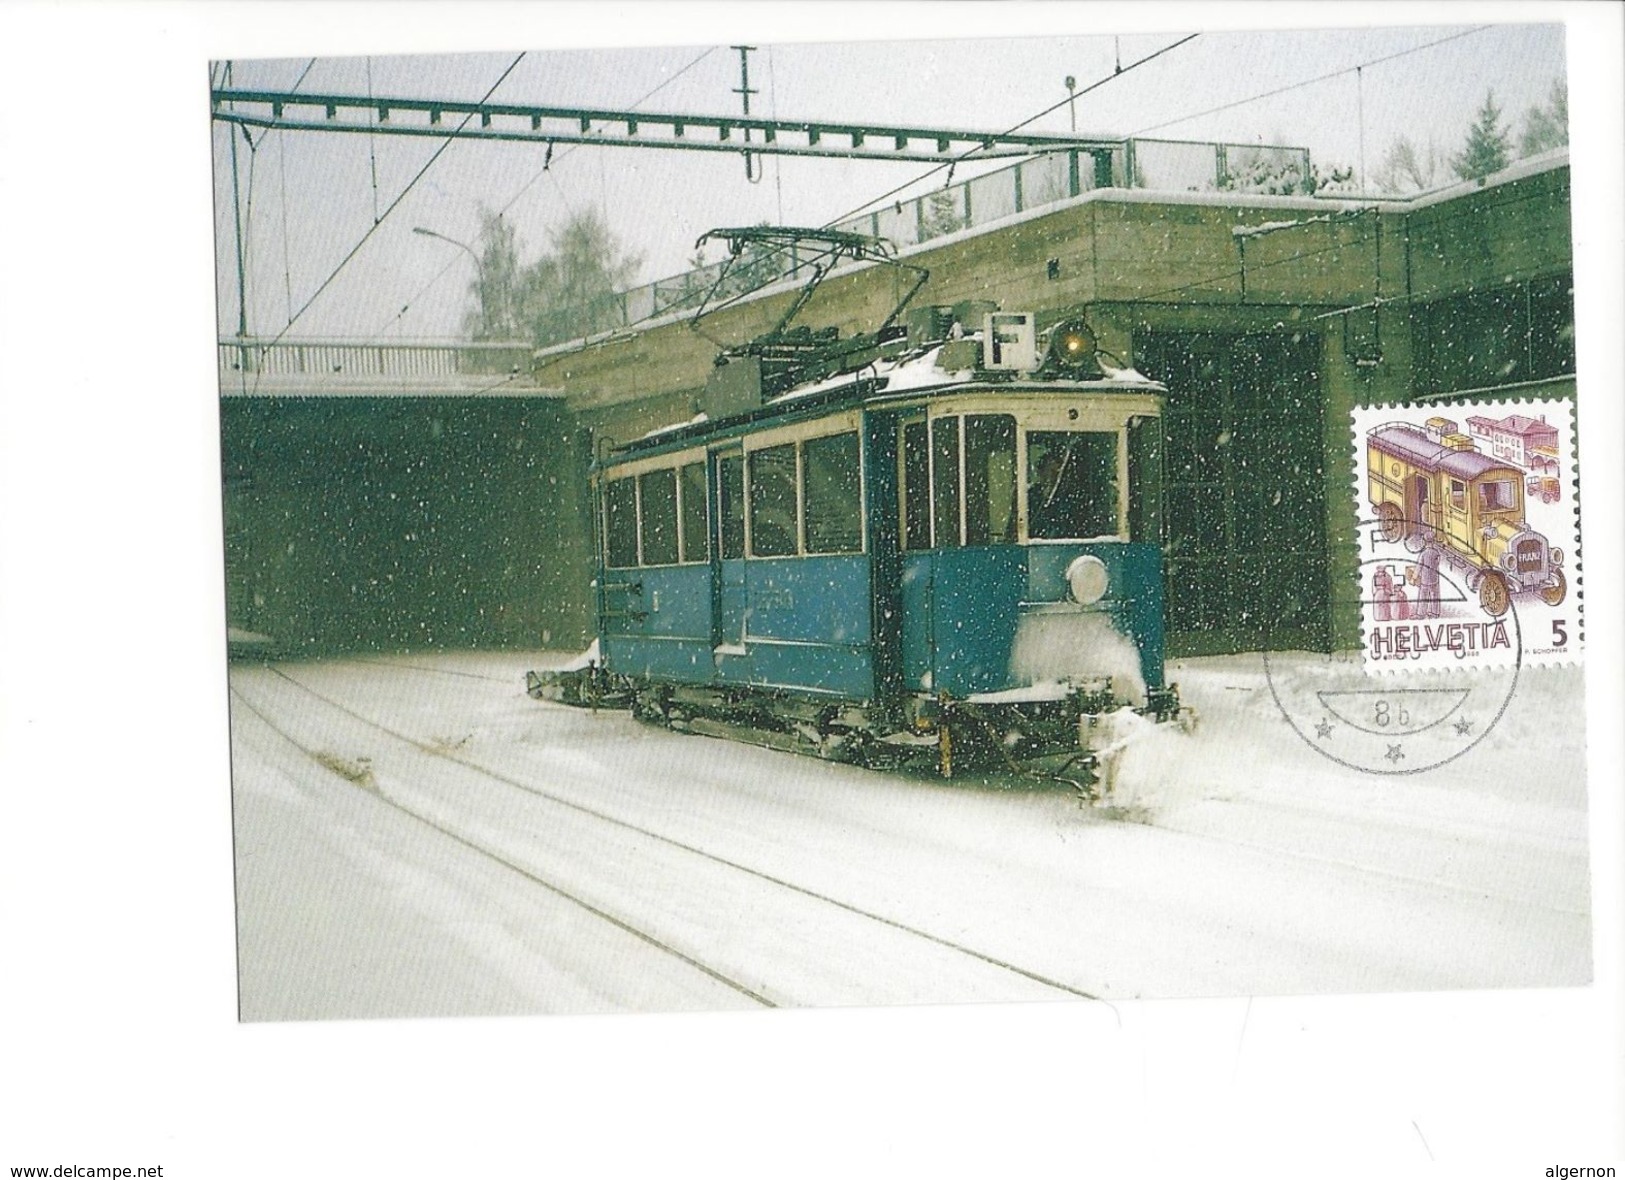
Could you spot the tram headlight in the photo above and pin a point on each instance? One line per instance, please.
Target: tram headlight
(1072, 347)
(1087, 580)
(1557, 556)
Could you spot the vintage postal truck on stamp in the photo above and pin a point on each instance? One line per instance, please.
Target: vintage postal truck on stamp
(1470, 547)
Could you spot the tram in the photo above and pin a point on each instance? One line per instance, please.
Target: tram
(945, 546)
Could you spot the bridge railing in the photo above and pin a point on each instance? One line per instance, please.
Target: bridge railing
(1164, 164)
(338, 357)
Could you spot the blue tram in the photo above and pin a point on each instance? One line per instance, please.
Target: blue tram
(947, 552)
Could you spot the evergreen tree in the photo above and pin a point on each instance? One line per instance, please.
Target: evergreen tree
(1488, 148)
(1547, 127)
(691, 287)
(942, 213)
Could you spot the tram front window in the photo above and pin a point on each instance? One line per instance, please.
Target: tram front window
(1071, 485)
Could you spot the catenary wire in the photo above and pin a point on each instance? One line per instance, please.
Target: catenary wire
(1310, 81)
(544, 170)
(963, 156)
(393, 205)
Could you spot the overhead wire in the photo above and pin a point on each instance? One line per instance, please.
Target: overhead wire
(544, 170)
(1338, 73)
(253, 145)
(393, 205)
(970, 152)
(773, 112)
(248, 205)
(372, 147)
(291, 90)
(950, 165)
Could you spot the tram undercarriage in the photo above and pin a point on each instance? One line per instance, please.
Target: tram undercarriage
(1068, 734)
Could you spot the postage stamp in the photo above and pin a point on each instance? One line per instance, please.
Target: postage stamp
(1470, 542)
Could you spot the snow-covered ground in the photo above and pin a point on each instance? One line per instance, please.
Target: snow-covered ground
(586, 862)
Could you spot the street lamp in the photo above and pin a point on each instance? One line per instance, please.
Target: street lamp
(463, 246)
(1071, 108)
(479, 264)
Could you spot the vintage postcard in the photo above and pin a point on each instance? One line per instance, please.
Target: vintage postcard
(864, 551)
(1003, 511)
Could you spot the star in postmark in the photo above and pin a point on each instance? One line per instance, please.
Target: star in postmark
(1464, 727)
(1394, 754)
(1324, 729)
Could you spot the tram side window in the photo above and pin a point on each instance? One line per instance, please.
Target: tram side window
(657, 495)
(696, 535)
(945, 482)
(773, 501)
(1458, 495)
(916, 488)
(831, 494)
(731, 505)
(990, 479)
(1072, 484)
(620, 523)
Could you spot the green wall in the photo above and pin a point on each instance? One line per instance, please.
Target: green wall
(367, 523)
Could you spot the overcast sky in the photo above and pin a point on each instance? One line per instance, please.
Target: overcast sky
(313, 196)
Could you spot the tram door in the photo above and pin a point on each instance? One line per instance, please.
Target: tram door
(728, 595)
(880, 481)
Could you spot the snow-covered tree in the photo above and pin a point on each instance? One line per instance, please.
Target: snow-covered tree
(689, 288)
(1547, 127)
(1488, 147)
(1282, 174)
(942, 214)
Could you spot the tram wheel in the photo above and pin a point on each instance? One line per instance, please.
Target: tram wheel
(1552, 595)
(1493, 595)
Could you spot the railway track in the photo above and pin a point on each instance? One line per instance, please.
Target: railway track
(582, 833)
(1306, 821)
(322, 758)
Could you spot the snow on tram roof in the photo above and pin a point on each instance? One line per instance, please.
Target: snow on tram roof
(912, 371)
(921, 371)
